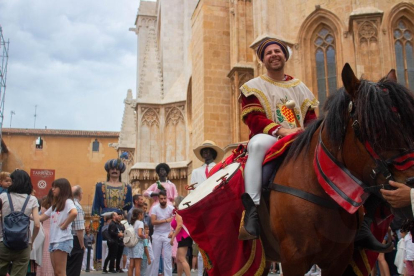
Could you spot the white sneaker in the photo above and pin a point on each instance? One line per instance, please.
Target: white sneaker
(192, 270)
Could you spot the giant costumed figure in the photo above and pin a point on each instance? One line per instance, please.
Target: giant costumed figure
(162, 170)
(111, 196)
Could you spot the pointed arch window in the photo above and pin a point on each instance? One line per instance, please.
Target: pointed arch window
(403, 42)
(325, 62)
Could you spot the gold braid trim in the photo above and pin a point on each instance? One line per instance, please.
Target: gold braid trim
(248, 91)
(356, 269)
(249, 262)
(262, 263)
(206, 261)
(284, 84)
(308, 104)
(365, 259)
(269, 127)
(242, 220)
(250, 110)
(277, 152)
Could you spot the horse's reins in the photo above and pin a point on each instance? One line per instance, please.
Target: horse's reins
(401, 162)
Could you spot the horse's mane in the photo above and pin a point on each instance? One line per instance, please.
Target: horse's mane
(385, 111)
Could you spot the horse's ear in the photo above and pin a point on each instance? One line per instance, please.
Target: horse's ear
(350, 81)
(392, 76)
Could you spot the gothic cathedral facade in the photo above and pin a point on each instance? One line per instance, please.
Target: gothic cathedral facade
(193, 55)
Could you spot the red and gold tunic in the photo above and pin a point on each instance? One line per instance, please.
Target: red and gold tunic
(264, 104)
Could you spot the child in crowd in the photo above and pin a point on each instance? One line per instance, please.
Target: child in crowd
(62, 213)
(89, 240)
(5, 182)
(146, 259)
(46, 269)
(136, 253)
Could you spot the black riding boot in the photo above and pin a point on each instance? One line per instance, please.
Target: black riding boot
(250, 229)
(364, 238)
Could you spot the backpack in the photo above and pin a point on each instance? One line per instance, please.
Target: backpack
(130, 235)
(16, 227)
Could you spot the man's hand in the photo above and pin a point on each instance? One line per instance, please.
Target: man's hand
(154, 194)
(287, 131)
(398, 198)
(120, 234)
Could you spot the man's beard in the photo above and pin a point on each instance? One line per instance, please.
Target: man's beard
(163, 204)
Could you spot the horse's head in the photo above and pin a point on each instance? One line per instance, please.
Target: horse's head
(379, 119)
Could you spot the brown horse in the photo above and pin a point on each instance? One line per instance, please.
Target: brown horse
(367, 126)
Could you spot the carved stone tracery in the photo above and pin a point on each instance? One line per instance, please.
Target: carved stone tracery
(175, 115)
(367, 32)
(150, 116)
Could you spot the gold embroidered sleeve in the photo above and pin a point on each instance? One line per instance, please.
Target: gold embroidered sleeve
(249, 109)
(269, 127)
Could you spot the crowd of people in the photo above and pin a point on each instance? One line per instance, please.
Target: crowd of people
(60, 244)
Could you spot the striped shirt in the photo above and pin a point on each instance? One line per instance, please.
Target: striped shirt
(79, 222)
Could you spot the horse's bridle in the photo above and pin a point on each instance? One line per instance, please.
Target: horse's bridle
(400, 162)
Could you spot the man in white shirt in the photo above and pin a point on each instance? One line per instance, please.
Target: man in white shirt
(161, 217)
(209, 153)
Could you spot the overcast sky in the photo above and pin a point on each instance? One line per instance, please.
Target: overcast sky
(74, 59)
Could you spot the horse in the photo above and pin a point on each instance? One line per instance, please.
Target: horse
(368, 129)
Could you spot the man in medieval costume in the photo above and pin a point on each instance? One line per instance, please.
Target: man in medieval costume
(111, 196)
(274, 105)
(208, 153)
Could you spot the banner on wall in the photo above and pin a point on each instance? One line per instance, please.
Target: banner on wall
(42, 181)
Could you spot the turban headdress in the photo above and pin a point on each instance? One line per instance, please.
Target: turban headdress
(115, 164)
(262, 47)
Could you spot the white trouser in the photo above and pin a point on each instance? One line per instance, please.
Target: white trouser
(257, 148)
(200, 264)
(104, 251)
(85, 259)
(161, 243)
